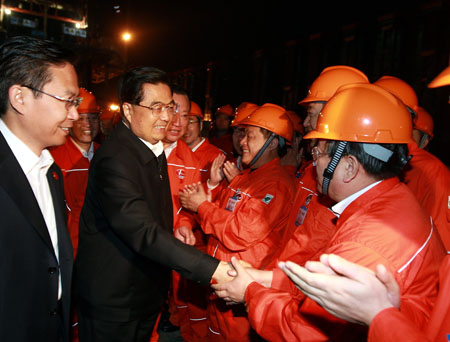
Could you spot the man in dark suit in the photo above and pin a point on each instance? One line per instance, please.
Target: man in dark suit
(126, 243)
(38, 101)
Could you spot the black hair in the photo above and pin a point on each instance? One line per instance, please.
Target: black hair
(177, 89)
(26, 61)
(130, 85)
(373, 166)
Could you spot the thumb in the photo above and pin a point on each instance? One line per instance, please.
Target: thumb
(391, 285)
(237, 265)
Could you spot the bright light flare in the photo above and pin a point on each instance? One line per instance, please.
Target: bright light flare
(126, 36)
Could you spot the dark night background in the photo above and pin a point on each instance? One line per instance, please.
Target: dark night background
(234, 51)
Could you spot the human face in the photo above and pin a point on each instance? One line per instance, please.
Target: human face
(222, 122)
(180, 120)
(238, 134)
(143, 123)
(312, 114)
(85, 129)
(46, 121)
(251, 143)
(192, 136)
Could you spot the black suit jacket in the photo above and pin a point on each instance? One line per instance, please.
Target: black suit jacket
(126, 244)
(28, 265)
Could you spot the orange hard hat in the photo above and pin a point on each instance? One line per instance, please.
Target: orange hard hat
(227, 110)
(424, 122)
(296, 122)
(443, 79)
(196, 110)
(243, 111)
(364, 113)
(401, 89)
(89, 104)
(273, 118)
(329, 80)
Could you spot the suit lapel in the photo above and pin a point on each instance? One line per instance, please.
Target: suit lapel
(16, 184)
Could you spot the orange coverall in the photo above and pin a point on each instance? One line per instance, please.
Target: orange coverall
(429, 180)
(192, 315)
(75, 170)
(391, 325)
(247, 220)
(384, 225)
(183, 169)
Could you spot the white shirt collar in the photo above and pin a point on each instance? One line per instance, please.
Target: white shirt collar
(86, 154)
(198, 145)
(157, 148)
(25, 156)
(339, 207)
(169, 149)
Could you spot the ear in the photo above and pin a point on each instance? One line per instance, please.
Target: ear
(351, 168)
(273, 145)
(16, 97)
(127, 111)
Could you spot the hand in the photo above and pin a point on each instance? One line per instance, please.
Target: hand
(193, 195)
(234, 291)
(221, 274)
(185, 235)
(346, 290)
(230, 170)
(216, 174)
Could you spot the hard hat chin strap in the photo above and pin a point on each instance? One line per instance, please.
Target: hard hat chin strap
(329, 171)
(261, 151)
(423, 140)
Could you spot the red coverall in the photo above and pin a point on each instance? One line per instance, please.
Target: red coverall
(206, 153)
(193, 322)
(392, 325)
(311, 223)
(429, 180)
(247, 220)
(385, 225)
(75, 169)
(183, 168)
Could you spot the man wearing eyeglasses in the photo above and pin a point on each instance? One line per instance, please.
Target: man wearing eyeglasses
(38, 105)
(126, 244)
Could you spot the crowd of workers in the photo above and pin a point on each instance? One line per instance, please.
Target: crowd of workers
(334, 227)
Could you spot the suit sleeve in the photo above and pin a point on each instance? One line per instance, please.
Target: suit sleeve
(122, 201)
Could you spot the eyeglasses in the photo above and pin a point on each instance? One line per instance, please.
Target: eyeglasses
(74, 102)
(316, 153)
(158, 109)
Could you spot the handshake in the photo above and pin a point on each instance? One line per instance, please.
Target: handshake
(232, 279)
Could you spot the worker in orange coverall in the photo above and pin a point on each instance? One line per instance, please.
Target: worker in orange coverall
(356, 294)
(362, 146)
(191, 302)
(426, 176)
(311, 222)
(202, 148)
(183, 168)
(74, 158)
(249, 215)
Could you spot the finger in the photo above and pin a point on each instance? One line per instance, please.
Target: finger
(237, 266)
(318, 267)
(388, 280)
(347, 268)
